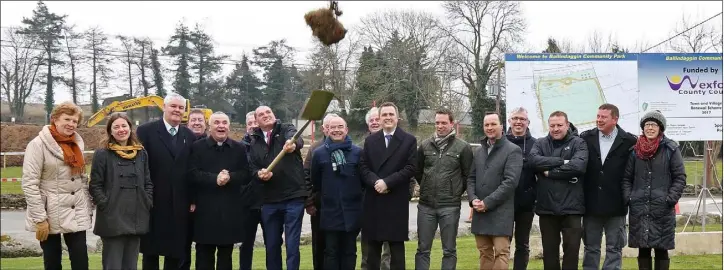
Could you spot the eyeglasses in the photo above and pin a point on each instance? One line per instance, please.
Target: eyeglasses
(651, 125)
(521, 119)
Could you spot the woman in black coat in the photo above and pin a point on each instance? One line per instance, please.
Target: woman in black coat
(121, 187)
(653, 183)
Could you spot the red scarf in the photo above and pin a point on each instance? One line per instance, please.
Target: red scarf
(71, 151)
(646, 149)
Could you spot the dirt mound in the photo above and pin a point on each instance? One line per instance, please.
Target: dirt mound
(15, 138)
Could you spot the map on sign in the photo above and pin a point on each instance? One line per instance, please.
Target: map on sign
(574, 89)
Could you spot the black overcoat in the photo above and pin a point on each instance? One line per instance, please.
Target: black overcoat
(385, 216)
(220, 210)
(168, 163)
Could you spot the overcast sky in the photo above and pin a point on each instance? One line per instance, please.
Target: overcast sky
(239, 26)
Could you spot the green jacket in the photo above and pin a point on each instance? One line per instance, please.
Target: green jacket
(442, 175)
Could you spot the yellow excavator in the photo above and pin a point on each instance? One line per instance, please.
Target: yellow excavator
(139, 102)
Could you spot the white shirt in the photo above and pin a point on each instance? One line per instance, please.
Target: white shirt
(168, 127)
(387, 143)
(266, 136)
(606, 141)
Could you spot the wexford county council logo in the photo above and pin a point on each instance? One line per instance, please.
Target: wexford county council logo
(687, 86)
(676, 81)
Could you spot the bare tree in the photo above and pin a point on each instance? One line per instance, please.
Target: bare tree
(128, 59)
(700, 39)
(143, 50)
(19, 68)
(330, 69)
(419, 27)
(72, 44)
(97, 44)
(482, 32)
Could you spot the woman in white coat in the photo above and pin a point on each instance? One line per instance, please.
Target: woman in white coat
(56, 189)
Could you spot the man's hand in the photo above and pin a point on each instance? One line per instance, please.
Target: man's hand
(222, 178)
(192, 208)
(311, 210)
(478, 205)
(264, 174)
(289, 146)
(380, 186)
(545, 173)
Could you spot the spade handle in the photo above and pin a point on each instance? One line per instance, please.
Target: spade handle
(293, 139)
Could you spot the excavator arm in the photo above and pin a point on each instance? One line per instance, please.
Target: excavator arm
(120, 106)
(135, 103)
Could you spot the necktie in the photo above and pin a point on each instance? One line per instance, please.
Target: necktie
(388, 137)
(268, 138)
(172, 131)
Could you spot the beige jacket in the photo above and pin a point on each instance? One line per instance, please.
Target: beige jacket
(51, 192)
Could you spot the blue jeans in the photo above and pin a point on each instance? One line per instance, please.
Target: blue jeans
(282, 218)
(593, 230)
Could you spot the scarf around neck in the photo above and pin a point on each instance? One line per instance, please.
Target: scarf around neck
(336, 152)
(646, 149)
(125, 152)
(72, 155)
(442, 142)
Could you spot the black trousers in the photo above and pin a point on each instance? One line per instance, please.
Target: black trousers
(186, 263)
(77, 251)
(318, 243)
(150, 262)
(551, 228)
(246, 250)
(521, 235)
(397, 255)
(207, 256)
(340, 251)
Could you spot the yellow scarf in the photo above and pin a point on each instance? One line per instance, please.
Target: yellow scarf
(126, 152)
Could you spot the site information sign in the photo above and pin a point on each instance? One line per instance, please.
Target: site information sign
(578, 83)
(687, 89)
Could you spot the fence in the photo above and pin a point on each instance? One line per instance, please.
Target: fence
(694, 168)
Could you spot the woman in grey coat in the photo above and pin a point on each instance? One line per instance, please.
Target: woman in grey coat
(121, 187)
(653, 183)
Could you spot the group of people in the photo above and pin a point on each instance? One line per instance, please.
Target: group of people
(161, 187)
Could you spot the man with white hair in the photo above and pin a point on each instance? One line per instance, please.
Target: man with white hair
(372, 118)
(312, 205)
(525, 193)
(252, 193)
(168, 144)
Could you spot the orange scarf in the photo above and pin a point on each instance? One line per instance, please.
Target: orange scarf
(71, 152)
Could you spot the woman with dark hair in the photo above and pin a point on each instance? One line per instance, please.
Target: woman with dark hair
(56, 189)
(653, 183)
(121, 187)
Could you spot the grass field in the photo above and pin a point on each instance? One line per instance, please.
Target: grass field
(466, 252)
(693, 170)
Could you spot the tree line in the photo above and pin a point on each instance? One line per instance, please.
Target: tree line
(412, 58)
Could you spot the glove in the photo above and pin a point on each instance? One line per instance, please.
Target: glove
(41, 231)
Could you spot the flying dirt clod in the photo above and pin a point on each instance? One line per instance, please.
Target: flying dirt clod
(325, 25)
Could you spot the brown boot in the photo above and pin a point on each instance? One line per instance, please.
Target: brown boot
(644, 263)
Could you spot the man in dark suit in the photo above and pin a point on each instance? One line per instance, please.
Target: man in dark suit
(284, 190)
(197, 124)
(168, 144)
(388, 163)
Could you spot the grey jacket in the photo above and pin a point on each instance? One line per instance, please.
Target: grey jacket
(123, 191)
(493, 180)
